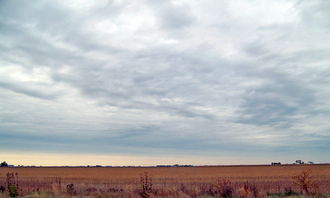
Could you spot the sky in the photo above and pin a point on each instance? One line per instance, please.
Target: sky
(146, 82)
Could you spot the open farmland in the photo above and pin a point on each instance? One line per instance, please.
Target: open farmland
(205, 181)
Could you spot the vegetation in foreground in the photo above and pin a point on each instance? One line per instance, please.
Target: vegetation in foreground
(304, 184)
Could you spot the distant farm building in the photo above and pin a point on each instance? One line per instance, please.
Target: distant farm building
(276, 163)
(299, 162)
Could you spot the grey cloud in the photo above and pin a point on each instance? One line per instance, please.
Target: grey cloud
(172, 16)
(55, 22)
(255, 49)
(33, 92)
(164, 75)
(277, 101)
(313, 13)
(184, 95)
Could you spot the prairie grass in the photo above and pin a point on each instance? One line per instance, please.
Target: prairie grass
(213, 181)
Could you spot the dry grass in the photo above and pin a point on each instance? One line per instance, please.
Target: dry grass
(245, 181)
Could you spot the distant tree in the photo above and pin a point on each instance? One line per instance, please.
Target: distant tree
(3, 164)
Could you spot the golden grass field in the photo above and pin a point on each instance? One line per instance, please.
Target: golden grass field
(232, 172)
(165, 180)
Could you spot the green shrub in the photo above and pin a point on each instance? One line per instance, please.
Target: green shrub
(12, 190)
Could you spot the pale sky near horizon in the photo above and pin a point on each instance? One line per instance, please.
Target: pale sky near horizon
(146, 82)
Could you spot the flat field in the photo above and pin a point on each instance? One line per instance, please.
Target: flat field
(167, 181)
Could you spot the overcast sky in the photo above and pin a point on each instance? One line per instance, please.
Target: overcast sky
(149, 82)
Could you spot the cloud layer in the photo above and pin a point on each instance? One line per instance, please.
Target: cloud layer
(143, 77)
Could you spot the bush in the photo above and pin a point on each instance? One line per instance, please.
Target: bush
(3, 164)
(223, 188)
(305, 181)
(2, 189)
(146, 185)
(12, 190)
(12, 184)
(248, 190)
(71, 190)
